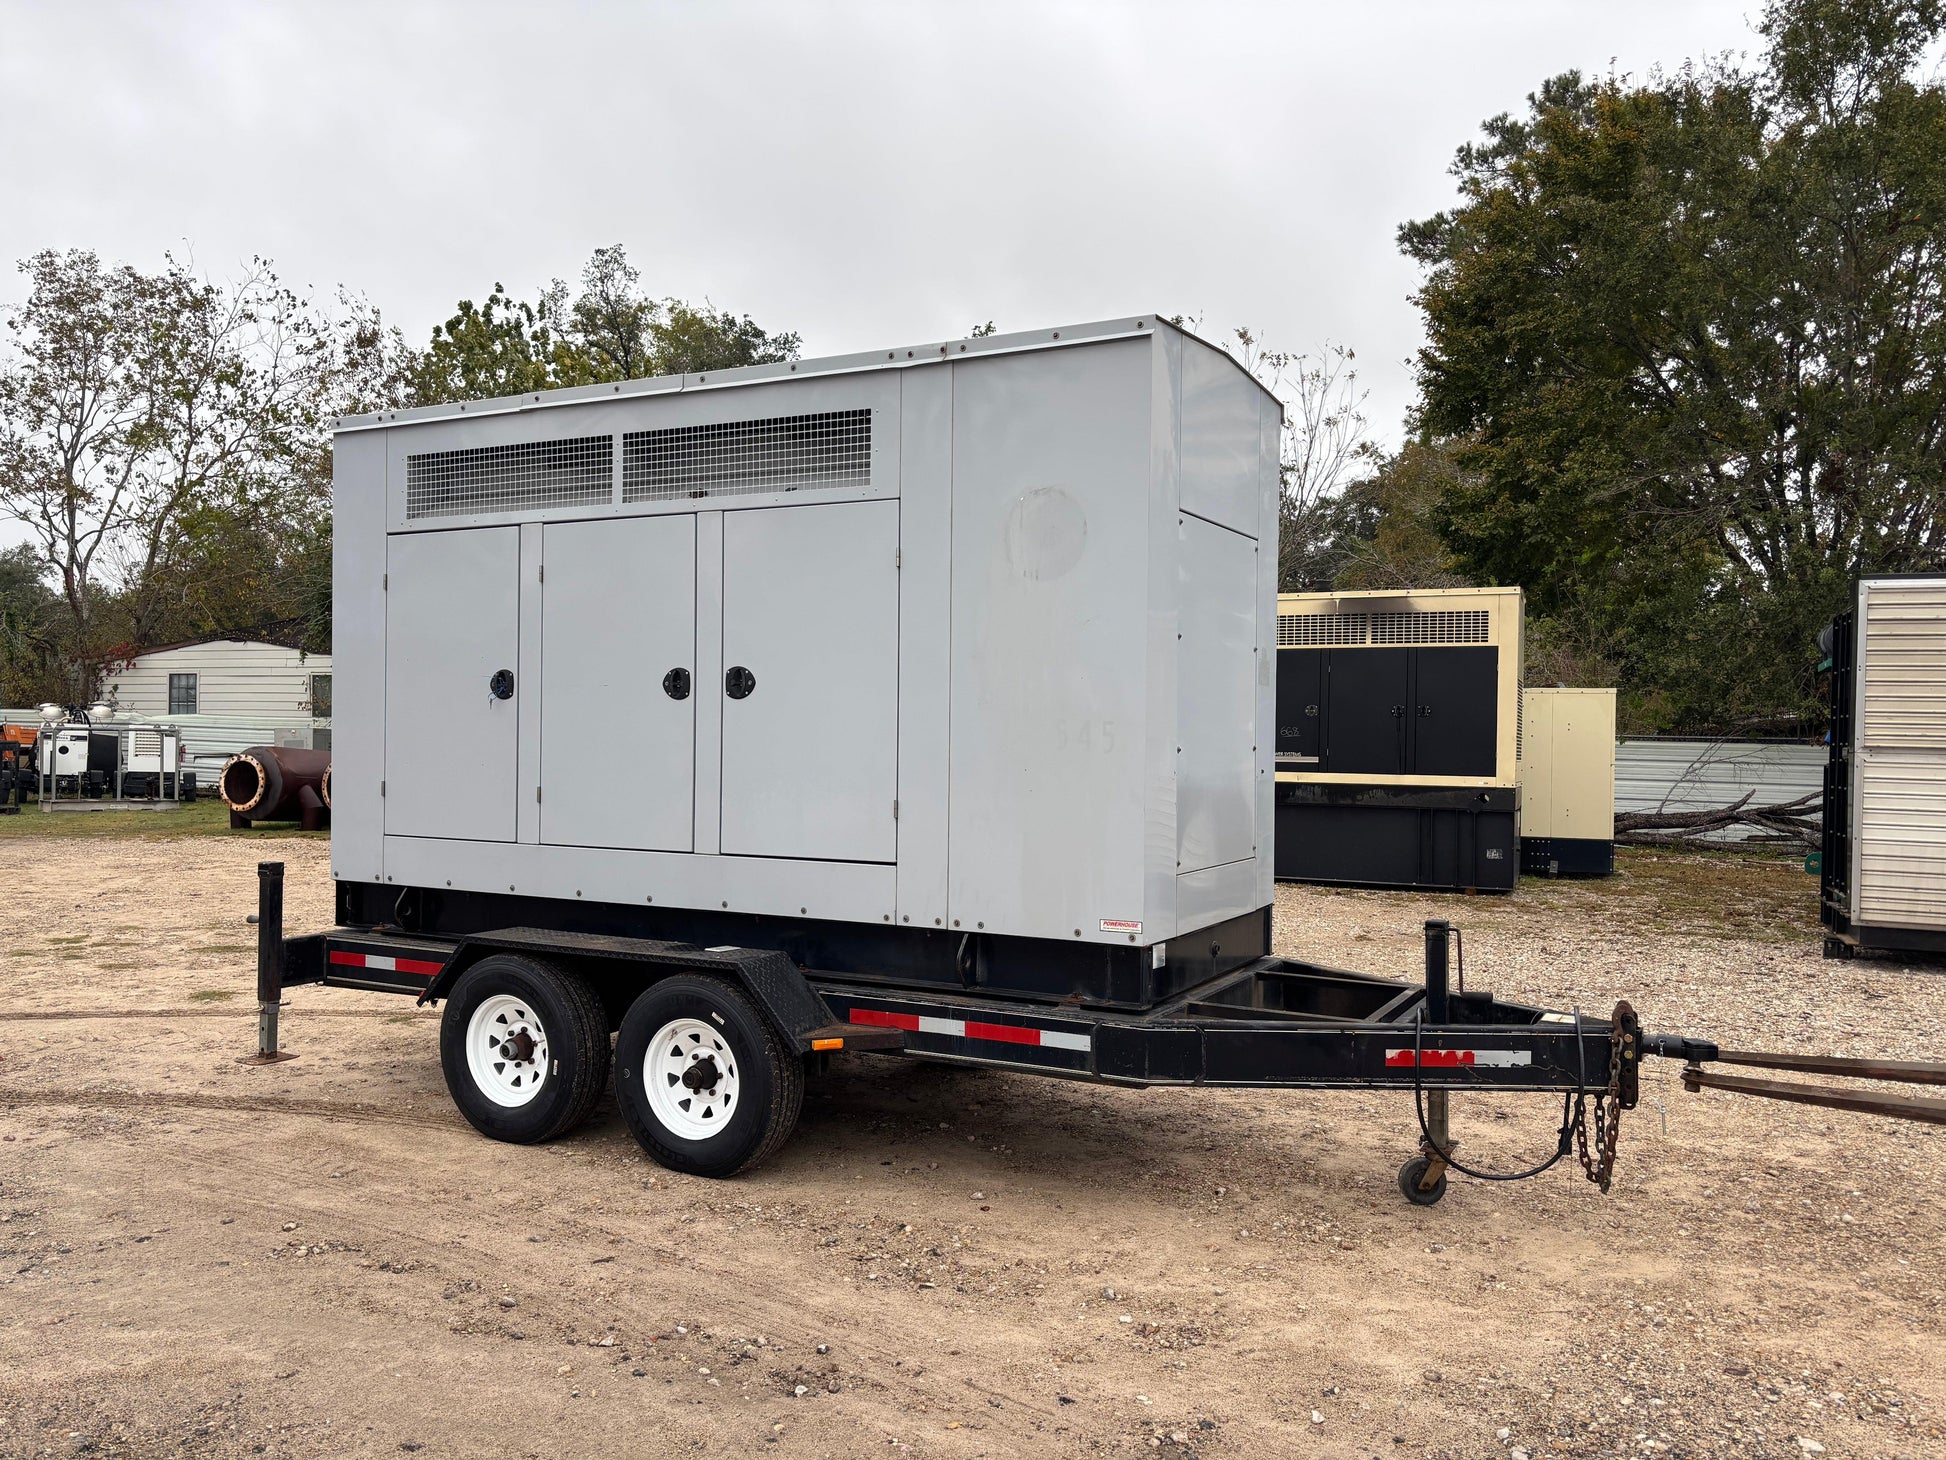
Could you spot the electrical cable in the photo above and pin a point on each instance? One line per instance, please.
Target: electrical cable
(1566, 1140)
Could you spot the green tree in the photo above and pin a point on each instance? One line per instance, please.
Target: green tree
(130, 401)
(28, 615)
(610, 330)
(1382, 533)
(503, 347)
(689, 338)
(1690, 338)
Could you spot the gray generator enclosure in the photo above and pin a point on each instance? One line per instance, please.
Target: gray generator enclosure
(974, 636)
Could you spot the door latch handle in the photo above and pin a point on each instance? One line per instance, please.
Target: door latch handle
(501, 686)
(675, 684)
(738, 682)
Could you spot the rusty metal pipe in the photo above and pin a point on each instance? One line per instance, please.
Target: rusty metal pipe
(273, 783)
(1869, 1102)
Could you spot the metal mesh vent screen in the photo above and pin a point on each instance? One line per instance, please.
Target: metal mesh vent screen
(1447, 626)
(780, 454)
(1294, 630)
(518, 477)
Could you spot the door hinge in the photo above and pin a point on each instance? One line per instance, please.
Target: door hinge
(381, 788)
(895, 808)
(384, 582)
(537, 795)
(541, 576)
(898, 559)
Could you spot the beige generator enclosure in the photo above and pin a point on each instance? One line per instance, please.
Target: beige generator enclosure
(960, 639)
(1884, 855)
(1397, 720)
(1567, 782)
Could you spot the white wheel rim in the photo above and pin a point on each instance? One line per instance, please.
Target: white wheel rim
(691, 1078)
(506, 1050)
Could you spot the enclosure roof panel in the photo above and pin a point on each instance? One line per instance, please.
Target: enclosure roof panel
(905, 357)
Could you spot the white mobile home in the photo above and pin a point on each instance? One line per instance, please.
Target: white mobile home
(227, 693)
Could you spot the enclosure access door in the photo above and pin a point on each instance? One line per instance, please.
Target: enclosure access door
(452, 677)
(1456, 701)
(1367, 698)
(811, 681)
(618, 702)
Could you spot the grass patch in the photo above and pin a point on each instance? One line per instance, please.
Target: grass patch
(229, 948)
(211, 996)
(70, 938)
(207, 817)
(1735, 894)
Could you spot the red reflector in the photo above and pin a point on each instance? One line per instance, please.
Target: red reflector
(885, 1020)
(1005, 1033)
(1430, 1057)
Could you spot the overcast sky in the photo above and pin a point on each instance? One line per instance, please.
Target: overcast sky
(864, 174)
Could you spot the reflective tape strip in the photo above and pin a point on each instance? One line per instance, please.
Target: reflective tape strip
(384, 963)
(972, 1029)
(1451, 1058)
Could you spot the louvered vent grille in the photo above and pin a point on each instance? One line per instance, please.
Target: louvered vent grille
(1447, 626)
(1294, 630)
(518, 477)
(725, 458)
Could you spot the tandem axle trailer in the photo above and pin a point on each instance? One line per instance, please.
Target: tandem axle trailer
(711, 1043)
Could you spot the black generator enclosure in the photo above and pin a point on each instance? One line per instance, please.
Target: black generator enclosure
(1437, 838)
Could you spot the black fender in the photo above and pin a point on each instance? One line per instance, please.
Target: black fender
(774, 983)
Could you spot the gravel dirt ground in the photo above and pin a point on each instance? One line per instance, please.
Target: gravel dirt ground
(200, 1258)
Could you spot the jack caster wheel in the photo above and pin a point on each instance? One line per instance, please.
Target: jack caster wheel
(1411, 1174)
(706, 1085)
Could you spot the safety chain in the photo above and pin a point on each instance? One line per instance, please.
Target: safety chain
(1608, 1105)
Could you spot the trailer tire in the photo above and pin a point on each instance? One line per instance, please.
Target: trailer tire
(744, 1077)
(556, 1015)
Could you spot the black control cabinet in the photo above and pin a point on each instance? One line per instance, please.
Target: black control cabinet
(1422, 710)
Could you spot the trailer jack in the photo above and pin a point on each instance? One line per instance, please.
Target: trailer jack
(1591, 1114)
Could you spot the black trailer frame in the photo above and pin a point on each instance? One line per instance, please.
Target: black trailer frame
(1246, 1021)
(1273, 1022)
(1217, 1016)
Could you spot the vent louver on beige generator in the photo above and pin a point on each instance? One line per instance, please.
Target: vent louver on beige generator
(1435, 626)
(1301, 630)
(517, 477)
(725, 458)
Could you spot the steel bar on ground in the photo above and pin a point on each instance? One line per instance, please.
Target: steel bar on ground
(1912, 1072)
(1897, 1107)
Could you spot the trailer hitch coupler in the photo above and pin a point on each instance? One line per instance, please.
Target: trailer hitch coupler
(1679, 1047)
(1439, 936)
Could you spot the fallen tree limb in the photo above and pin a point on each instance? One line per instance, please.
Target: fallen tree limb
(1795, 821)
